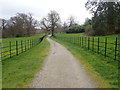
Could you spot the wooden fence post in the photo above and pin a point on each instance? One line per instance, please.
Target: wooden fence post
(85, 42)
(33, 42)
(17, 48)
(93, 44)
(25, 45)
(88, 43)
(21, 46)
(80, 41)
(115, 48)
(105, 46)
(98, 45)
(28, 44)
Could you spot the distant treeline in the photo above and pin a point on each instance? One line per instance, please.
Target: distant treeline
(20, 25)
(106, 18)
(75, 29)
(105, 21)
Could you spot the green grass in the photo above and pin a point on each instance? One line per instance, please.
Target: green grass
(26, 41)
(69, 35)
(116, 35)
(21, 38)
(93, 44)
(105, 69)
(19, 70)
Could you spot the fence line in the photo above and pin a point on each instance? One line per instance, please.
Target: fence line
(14, 48)
(106, 46)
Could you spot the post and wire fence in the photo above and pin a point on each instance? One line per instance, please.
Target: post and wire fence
(106, 46)
(14, 48)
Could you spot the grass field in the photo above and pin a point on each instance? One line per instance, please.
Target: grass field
(19, 70)
(21, 38)
(105, 69)
(107, 46)
(22, 43)
(69, 35)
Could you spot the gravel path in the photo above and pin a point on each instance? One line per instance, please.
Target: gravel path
(62, 70)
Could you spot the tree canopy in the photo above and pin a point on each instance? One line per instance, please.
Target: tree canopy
(51, 21)
(106, 16)
(18, 26)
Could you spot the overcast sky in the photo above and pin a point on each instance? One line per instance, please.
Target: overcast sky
(40, 8)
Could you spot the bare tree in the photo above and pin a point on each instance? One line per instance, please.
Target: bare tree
(51, 21)
(3, 24)
(21, 25)
(71, 21)
(65, 25)
(44, 24)
(54, 20)
(31, 24)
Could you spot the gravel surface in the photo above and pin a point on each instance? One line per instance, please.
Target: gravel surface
(62, 70)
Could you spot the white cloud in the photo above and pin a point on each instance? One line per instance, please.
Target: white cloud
(40, 8)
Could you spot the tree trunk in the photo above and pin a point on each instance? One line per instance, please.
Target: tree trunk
(53, 32)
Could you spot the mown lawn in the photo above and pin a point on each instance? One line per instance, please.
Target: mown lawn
(107, 46)
(69, 35)
(9, 45)
(105, 69)
(20, 70)
(21, 38)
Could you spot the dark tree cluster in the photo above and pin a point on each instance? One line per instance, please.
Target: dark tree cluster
(18, 26)
(75, 29)
(106, 16)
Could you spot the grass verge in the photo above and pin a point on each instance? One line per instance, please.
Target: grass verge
(20, 70)
(10, 47)
(22, 38)
(105, 70)
(106, 46)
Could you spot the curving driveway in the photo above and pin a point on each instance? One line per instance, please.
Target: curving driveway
(62, 70)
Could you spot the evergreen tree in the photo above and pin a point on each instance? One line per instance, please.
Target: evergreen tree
(105, 16)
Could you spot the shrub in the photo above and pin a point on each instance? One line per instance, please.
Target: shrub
(75, 29)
